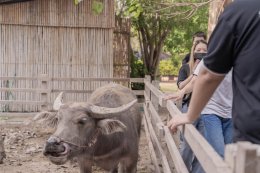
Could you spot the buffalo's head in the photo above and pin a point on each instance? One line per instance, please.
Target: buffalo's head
(77, 127)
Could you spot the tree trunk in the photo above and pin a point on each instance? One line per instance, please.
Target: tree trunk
(152, 51)
(215, 9)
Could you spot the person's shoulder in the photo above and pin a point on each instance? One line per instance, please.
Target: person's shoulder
(185, 66)
(187, 55)
(244, 3)
(241, 5)
(186, 58)
(238, 11)
(237, 3)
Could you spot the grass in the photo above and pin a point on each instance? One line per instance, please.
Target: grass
(168, 87)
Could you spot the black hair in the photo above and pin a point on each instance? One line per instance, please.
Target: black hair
(200, 41)
(199, 34)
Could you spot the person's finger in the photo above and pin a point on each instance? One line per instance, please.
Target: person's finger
(177, 98)
(169, 98)
(180, 97)
(169, 123)
(173, 129)
(166, 98)
(173, 97)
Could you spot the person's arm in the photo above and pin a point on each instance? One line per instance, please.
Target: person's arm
(182, 84)
(186, 90)
(183, 75)
(189, 87)
(205, 85)
(180, 94)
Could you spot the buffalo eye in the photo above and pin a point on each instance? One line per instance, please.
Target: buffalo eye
(82, 121)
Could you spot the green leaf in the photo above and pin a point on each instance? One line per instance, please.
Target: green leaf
(76, 2)
(97, 7)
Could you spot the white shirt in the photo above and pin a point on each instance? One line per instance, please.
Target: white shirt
(221, 101)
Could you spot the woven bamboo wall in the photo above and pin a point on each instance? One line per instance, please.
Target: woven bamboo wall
(56, 38)
(121, 48)
(58, 13)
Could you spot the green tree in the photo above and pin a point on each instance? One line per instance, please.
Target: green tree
(179, 41)
(154, 20)
(166, 68)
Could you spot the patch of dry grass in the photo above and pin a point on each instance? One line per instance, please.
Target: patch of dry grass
(168, 87)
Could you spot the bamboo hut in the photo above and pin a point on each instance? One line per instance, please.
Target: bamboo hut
(58, 39)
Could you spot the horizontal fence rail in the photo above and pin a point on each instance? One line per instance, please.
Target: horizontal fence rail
(239, 158)
(44, 88)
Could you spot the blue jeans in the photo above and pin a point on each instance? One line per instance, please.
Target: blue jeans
(218, 131)
(184, 108)
(188, 157)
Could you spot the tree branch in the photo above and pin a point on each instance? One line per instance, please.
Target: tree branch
(171, 6)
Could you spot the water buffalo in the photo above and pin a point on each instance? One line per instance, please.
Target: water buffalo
(103, 131)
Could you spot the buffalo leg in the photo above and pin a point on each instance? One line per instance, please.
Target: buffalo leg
(85, 165)
(112, 171)
(2, 151)
(128, 167)
(124, 169)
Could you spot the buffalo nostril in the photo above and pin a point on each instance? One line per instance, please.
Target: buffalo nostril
(53, 140)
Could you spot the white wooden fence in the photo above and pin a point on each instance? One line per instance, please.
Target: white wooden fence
(242, 157)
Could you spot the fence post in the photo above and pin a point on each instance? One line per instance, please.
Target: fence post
(246, 159)
(45, 92)
(147, 92)
(230, 156)
(154, 99)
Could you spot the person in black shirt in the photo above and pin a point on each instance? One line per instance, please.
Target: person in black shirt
(235, 42)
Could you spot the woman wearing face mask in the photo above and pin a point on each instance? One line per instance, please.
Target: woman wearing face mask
(198, 51)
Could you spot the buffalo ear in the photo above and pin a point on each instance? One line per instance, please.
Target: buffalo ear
(47, 118)
(109, 126)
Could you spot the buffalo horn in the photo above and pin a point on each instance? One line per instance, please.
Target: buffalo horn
(103, 112)
(58, 102)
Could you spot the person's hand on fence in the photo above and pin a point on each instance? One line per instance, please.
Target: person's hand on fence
(169, 96)
(176, 96)
(177, 121)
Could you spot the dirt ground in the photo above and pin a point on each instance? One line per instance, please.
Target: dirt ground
(24, 144)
